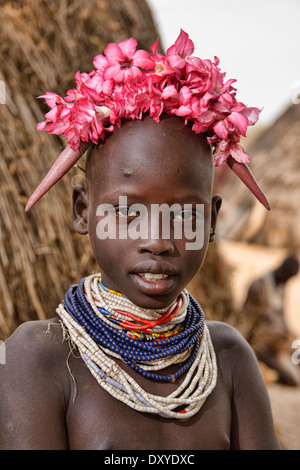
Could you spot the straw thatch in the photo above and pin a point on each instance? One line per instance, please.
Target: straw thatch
(275, 163)
(42, 45)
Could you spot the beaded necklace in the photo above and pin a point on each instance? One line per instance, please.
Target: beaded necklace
(105, 325)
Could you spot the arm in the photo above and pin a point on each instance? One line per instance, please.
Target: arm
(32, 397)
(252, 422)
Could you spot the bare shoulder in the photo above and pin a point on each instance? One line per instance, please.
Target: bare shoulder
(34, 387)
(226, 338)
(36, 350)
(234, 353)
(37, 342)
(252, 422)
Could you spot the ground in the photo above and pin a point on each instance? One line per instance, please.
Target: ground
(285, 401)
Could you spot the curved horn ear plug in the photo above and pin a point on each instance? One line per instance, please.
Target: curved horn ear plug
(59, 168)
(244, 173)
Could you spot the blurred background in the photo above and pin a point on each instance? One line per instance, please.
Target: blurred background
(42, 45)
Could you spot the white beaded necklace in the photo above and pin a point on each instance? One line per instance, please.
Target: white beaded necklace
(197, 385)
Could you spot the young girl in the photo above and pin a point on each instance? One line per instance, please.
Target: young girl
(129, 362)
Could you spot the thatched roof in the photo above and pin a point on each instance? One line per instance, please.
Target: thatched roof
(43, 43)
(275, 162)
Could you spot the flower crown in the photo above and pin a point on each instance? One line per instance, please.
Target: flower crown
(127, 83)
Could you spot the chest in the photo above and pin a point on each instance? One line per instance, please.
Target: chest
(96, 420)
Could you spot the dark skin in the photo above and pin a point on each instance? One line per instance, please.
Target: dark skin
(40, 406)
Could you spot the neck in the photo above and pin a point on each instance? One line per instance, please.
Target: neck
(101, 340)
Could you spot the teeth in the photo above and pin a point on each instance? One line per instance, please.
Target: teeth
(153, 277)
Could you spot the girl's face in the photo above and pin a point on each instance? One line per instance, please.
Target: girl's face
(150, 166)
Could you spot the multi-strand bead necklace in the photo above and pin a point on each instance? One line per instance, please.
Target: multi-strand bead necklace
(105, 325)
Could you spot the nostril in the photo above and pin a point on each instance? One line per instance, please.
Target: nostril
(156, 247)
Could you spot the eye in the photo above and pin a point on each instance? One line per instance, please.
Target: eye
(126, 211)
(185, 214)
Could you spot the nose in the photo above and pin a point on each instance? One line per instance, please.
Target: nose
(156, 247)
(156, 235)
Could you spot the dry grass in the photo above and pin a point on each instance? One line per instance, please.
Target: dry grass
(42, 45)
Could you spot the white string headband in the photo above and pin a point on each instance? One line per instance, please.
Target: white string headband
(128, 83)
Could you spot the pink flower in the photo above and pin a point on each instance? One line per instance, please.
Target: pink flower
(94, 86)
(100, 63)
(161, 65)
(235, 121)
(204, 121)
(77, 117)
(57, 104)
(225, 148)
(238, 153)
(124, 61)
(185, 102)
(182, 49)
(252, 114)
(169, 91)
(128, 83)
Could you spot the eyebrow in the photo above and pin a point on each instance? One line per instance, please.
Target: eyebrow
(190, 198)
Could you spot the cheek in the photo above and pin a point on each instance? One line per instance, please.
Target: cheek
(192, 262)
(192, 251)
(110, 252)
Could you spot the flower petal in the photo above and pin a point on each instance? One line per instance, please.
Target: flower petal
(114, 54)
(183, 45)
(169, 92)
(132, 72)
(185, 95)
(100, 62)
(221, 153)
(238, 153)
(115, 72)
(143, 60)
(182, 111)
(128, 47)
(239, 121)
(51, 99)
(41, 125)
(221, 128)
(175, 61)
(252, 114)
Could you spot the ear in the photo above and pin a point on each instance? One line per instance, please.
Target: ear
(80, 210)
(215, 207)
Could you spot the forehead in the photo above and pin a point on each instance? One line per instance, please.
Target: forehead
(144, 153)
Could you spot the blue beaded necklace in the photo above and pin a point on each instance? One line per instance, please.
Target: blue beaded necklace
(135, 352)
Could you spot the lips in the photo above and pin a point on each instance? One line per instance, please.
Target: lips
(154, 279)
(155, 268)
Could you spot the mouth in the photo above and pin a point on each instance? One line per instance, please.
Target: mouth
(153, 277)
(155, 280)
